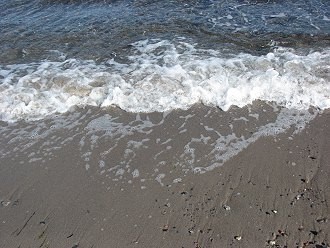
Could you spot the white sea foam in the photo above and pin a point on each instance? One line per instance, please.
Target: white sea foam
(165, 75)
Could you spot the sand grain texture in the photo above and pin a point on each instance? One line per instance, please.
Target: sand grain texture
(275, 193)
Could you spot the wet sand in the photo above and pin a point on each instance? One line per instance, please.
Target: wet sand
(274, 193)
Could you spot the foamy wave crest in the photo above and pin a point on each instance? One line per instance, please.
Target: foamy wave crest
(165, 75)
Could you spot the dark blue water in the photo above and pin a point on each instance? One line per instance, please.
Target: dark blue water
(99, 29)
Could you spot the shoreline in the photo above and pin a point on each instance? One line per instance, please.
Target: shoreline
(274, 193)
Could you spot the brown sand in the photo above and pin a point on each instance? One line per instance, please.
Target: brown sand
(274, 193)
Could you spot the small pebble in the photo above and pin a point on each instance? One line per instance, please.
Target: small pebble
(272, 242)
(165, 228)
(5, 203)
(226, 207)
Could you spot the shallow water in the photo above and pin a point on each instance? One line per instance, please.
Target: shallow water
(126, 147)
(131, 87)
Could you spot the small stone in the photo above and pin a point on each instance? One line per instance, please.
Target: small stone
(321, 220)
(238, 238)
(274, 211)
(226, 207)
(165, 228)
(5, 203)
(271, 242)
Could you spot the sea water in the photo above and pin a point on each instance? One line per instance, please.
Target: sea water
(144, 87)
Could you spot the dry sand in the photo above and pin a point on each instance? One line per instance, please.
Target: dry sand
(275, 193)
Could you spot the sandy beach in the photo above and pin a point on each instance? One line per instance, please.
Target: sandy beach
(164, 124)
(273, 193)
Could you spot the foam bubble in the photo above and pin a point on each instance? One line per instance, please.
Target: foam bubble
(165, 75)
